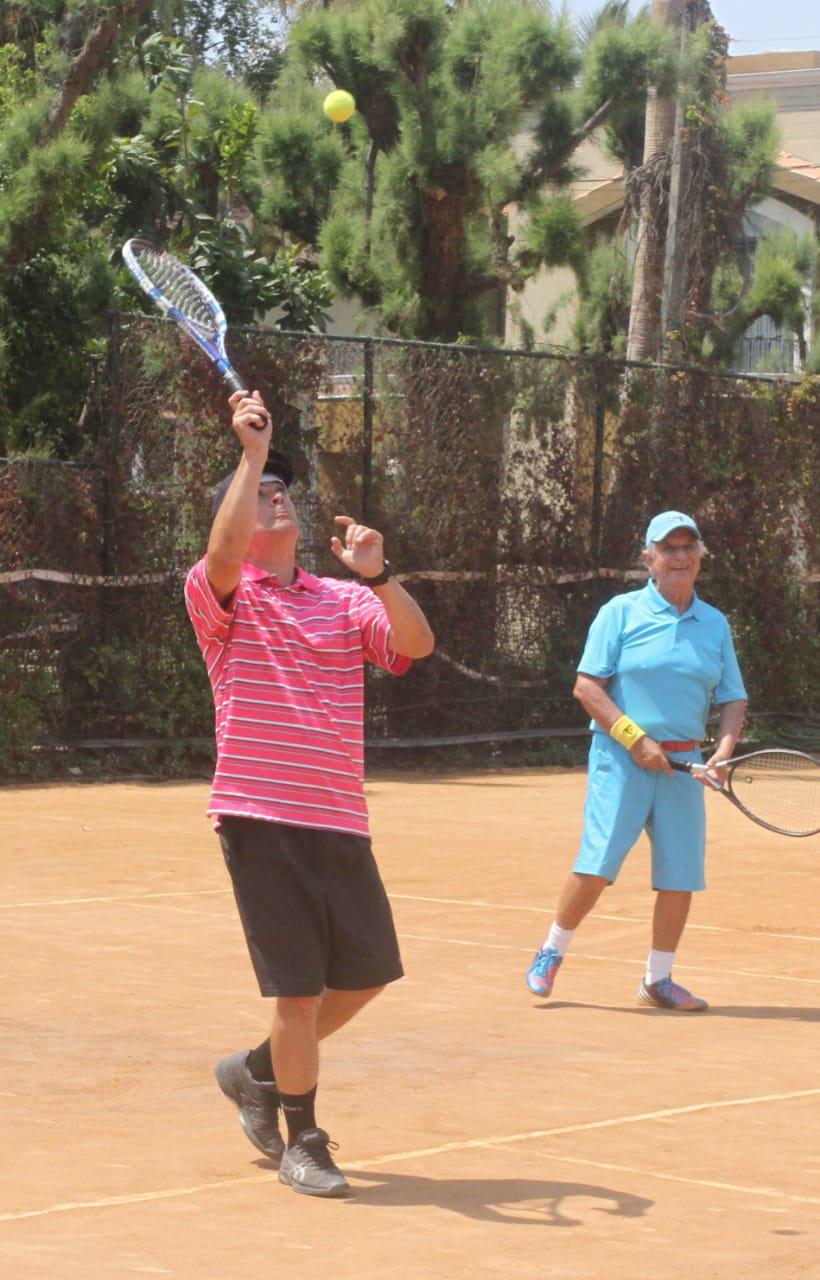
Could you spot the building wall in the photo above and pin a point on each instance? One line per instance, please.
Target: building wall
(795, 89)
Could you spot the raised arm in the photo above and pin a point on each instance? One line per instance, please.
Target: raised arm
(235, 520)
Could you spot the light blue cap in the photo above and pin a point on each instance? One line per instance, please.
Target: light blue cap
(661, 526)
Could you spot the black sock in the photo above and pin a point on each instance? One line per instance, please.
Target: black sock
(260, 1065)
(299, 1109)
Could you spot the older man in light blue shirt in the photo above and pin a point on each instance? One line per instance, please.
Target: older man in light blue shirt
(654, 662)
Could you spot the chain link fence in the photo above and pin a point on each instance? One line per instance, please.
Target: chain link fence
(512, 490)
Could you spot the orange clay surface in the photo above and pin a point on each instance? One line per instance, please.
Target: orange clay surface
(485, 1133)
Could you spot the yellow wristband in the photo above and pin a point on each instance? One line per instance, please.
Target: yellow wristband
(626, 732)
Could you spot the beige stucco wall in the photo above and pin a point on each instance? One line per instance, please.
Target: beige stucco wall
(800, 133)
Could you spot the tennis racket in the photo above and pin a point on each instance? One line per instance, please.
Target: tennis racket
(777, 789)
(185, 299)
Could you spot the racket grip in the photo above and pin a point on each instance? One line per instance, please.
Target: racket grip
(681, 766)
(236, 384)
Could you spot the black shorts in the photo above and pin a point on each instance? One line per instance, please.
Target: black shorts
(313, 908)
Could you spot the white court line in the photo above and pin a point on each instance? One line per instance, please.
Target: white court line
(588, 955)
(224, 920)
(500, 946)
(415, 897)
(400, 1157)
(140, 1197)
(120, 897)
(674, 1177)
(597, 915)
(665, 1114)
(147, 898)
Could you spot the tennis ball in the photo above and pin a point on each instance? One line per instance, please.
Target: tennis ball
(339, 106)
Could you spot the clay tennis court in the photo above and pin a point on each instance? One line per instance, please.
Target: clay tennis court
(485, 1133)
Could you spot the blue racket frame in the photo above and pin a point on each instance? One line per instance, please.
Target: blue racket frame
(213, 345)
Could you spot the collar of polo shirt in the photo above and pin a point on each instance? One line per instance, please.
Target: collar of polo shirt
(303, 579)
(659, 603)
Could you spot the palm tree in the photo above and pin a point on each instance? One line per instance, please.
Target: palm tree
(647, 288)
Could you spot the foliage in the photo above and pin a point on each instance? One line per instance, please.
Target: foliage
(159, 143)
(249, 284)
(730, 279)
(775, 285)
(603, 310)
(432, 206)
(244, 37)
(28, 704)
(45, 376)
(424, 178)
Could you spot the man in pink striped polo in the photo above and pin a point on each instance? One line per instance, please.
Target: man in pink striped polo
(285, 655)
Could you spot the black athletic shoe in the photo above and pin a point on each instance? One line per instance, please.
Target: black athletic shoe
(258, 1104)
(308, 1166)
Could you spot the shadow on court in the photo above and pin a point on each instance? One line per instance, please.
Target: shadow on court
(767, 1013)
(514, 1200)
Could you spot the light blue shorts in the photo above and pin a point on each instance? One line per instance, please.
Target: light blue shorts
(623, 800)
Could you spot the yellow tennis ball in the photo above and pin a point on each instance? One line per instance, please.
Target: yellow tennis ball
(339, 106)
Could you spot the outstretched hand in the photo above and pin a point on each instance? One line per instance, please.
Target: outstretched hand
(362, 550)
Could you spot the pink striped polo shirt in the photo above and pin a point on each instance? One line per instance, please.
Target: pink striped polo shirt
(286, 666)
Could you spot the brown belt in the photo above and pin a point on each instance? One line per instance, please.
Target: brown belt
(680, 746)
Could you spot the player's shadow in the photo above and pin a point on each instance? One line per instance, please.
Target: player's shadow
(512, 1200)
(532, 1201)
(773, 1013)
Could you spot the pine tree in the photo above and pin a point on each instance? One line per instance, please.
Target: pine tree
(464, 112)
(110, 127)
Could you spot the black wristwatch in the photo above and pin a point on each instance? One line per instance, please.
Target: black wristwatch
(380, 578)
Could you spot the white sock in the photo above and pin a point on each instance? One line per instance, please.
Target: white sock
(659, 965)
(559, 939)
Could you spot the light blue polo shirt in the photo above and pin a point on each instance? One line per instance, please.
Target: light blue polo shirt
(663, 668)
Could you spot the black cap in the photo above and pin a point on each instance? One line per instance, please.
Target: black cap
(277, 467)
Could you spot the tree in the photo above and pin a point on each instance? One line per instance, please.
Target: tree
(698, 282)
(774, 285)
(53, 137)
(465, 111)
(647, 285)
(109, 127)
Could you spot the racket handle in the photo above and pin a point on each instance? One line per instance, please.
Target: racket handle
(236, 384)
(689, 766)
(697, 771)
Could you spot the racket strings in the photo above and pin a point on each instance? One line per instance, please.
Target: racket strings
(781, 791)
(178, 287)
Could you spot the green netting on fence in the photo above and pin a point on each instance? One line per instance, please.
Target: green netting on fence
(512, 490)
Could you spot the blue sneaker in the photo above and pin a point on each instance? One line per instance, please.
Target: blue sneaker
(543, 969)
(666, 994)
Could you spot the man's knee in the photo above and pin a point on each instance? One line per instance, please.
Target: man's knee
(355, 999)
(301, 1009)
(370, 993)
